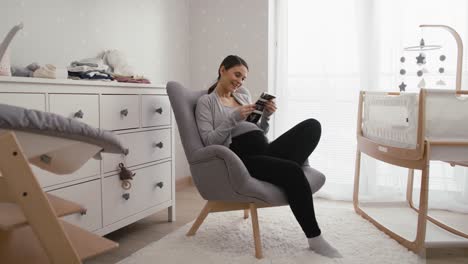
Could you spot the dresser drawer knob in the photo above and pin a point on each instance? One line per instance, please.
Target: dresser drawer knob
(78, 114)
(159, 110)
(160, 184)
(158, 145)
(126, 196)
(124, 112)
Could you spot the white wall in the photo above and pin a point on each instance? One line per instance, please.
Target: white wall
(152, 34)
(182, 40)
(220, 28)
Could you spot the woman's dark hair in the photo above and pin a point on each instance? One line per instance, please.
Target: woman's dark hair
(228, 62)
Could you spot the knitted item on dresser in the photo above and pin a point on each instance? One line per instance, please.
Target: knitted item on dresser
(5, 69)
(4, 51)
(46, 71)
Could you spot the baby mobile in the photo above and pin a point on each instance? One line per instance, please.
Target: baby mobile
(420, 58)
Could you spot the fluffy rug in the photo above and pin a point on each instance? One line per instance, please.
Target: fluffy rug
(227, 238)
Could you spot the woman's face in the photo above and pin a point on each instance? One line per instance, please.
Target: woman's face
(233, 78)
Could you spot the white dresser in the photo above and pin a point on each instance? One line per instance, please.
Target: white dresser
(140, 115)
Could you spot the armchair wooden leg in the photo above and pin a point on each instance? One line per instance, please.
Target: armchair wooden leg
(201, 217)
(246, 213)
(256, 232)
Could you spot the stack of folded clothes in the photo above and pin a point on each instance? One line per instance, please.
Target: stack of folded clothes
(90, 69)
(108, 65)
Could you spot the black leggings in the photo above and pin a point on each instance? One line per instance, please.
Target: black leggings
(280, 163)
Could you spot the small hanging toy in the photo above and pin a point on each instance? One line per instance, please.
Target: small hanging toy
(125, 176)
(420, 61)
(441, 71)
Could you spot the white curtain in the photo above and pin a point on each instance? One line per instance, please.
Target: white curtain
(330, 50)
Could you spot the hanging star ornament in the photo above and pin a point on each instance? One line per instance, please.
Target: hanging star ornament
(421, 59)
(402, 86)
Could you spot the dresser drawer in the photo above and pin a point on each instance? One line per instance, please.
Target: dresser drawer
(82, 107)
(88, 195)
(35, 101)
(150, 186)
(143, 147)
(120, 111)
(155, 110)
(45, 178)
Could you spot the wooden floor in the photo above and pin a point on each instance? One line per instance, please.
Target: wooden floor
(189, 203)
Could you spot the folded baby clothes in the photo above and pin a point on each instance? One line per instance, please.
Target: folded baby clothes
(47, 71)
(89, 64)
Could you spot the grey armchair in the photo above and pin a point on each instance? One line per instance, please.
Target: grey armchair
(219, 174)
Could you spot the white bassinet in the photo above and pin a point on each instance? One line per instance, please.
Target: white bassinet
(410, 130)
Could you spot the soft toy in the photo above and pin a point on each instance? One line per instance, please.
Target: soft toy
(4, 54)
(117, 62)
(24, 71)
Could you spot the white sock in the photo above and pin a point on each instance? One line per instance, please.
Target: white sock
(320, 246)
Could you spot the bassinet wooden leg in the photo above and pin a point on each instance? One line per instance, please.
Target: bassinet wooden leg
(409, 188)
(409, 198)
(418, 243)
(357, 172)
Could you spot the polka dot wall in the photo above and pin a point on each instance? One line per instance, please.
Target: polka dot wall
(221, 28)
(59, 32)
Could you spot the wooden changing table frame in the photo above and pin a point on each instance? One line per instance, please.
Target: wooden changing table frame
(30, 230)
(413, 159)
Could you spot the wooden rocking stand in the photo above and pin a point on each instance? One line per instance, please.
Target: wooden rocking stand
(413, 159)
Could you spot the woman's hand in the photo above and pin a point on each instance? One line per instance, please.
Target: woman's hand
(246, 110)
(270, 107)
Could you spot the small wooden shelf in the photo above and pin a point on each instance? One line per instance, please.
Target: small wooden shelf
(21, 245)
(13, 217)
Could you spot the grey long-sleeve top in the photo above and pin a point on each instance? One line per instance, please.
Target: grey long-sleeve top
(217, 124)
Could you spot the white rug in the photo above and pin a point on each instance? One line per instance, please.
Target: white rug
(227, 238)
